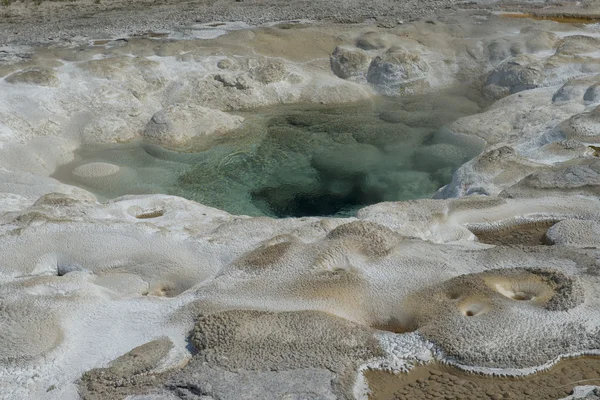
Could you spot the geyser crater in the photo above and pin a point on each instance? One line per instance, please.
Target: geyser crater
(295, 161)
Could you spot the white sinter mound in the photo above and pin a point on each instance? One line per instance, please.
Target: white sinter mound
(294, 308)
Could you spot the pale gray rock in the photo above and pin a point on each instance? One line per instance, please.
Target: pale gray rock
(296, 340)
(577, 44)
(268, 71)
(239, 82)
(96, 170)
(35, 76)
(576, 233)
(398, 71)
(39, 250)
(127, 375)
(372, 41)
(225, 64)
(28, 333)
(537, 39)
(460, 314)
(584, 127)
(584, 393)
(530, 40)
(564, 150)
(32, 186)
(349, 62)
(577, 90)
(237, 340)
(488, 173)
(201, 381)
(592, 94)
(514, 75)
(521, 117)
(76, 274)
(178, 124)
(575, 177)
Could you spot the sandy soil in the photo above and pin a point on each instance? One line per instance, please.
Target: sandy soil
(28, 23)
(437, 381)
(25, 22)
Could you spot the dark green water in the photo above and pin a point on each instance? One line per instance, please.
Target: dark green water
(301, 160)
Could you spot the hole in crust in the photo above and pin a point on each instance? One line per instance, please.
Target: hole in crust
(523, 296)
(166, 290)
(150, 214)
(524, 290)
(473, 309)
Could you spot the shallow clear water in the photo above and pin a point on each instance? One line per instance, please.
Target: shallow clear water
(300, 160)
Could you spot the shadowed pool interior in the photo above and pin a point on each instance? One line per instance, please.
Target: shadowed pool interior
(300, 160)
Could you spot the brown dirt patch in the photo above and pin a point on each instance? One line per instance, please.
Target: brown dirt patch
(564, 18)
(150, 214)
(437, 381)
(531, 234)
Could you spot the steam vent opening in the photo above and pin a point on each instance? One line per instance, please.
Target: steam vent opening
(295, 161)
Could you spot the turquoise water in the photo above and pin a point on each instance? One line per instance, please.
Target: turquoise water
(292, 161)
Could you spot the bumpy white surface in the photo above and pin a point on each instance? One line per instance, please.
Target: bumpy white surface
(82, 283)
(583, 392)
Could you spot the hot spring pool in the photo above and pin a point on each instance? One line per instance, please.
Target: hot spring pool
(293, 161)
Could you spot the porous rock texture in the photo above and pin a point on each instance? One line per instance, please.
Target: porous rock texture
(584, 126)
(266, 341)
(241, 340)
(573, 177)
(348, 63)
(465, 315)
(201, 381)
(586, 393)
(34, 76)
(129, 371)
(575, 233)
(192, 302)
(514, 75)
(178, 124)
(398, 70)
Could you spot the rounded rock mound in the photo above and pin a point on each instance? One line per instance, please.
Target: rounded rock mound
(349, 63)
(584, 127)
(175, 126)
(398, 71)
(283, 341)
(504, 318)
(577, 44)
(514, 75)
(576, 233)
(376, 240)
(574, 177)
(27, 332)
(34, 76)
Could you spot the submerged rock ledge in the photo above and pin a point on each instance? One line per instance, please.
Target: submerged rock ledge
(159, 297)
